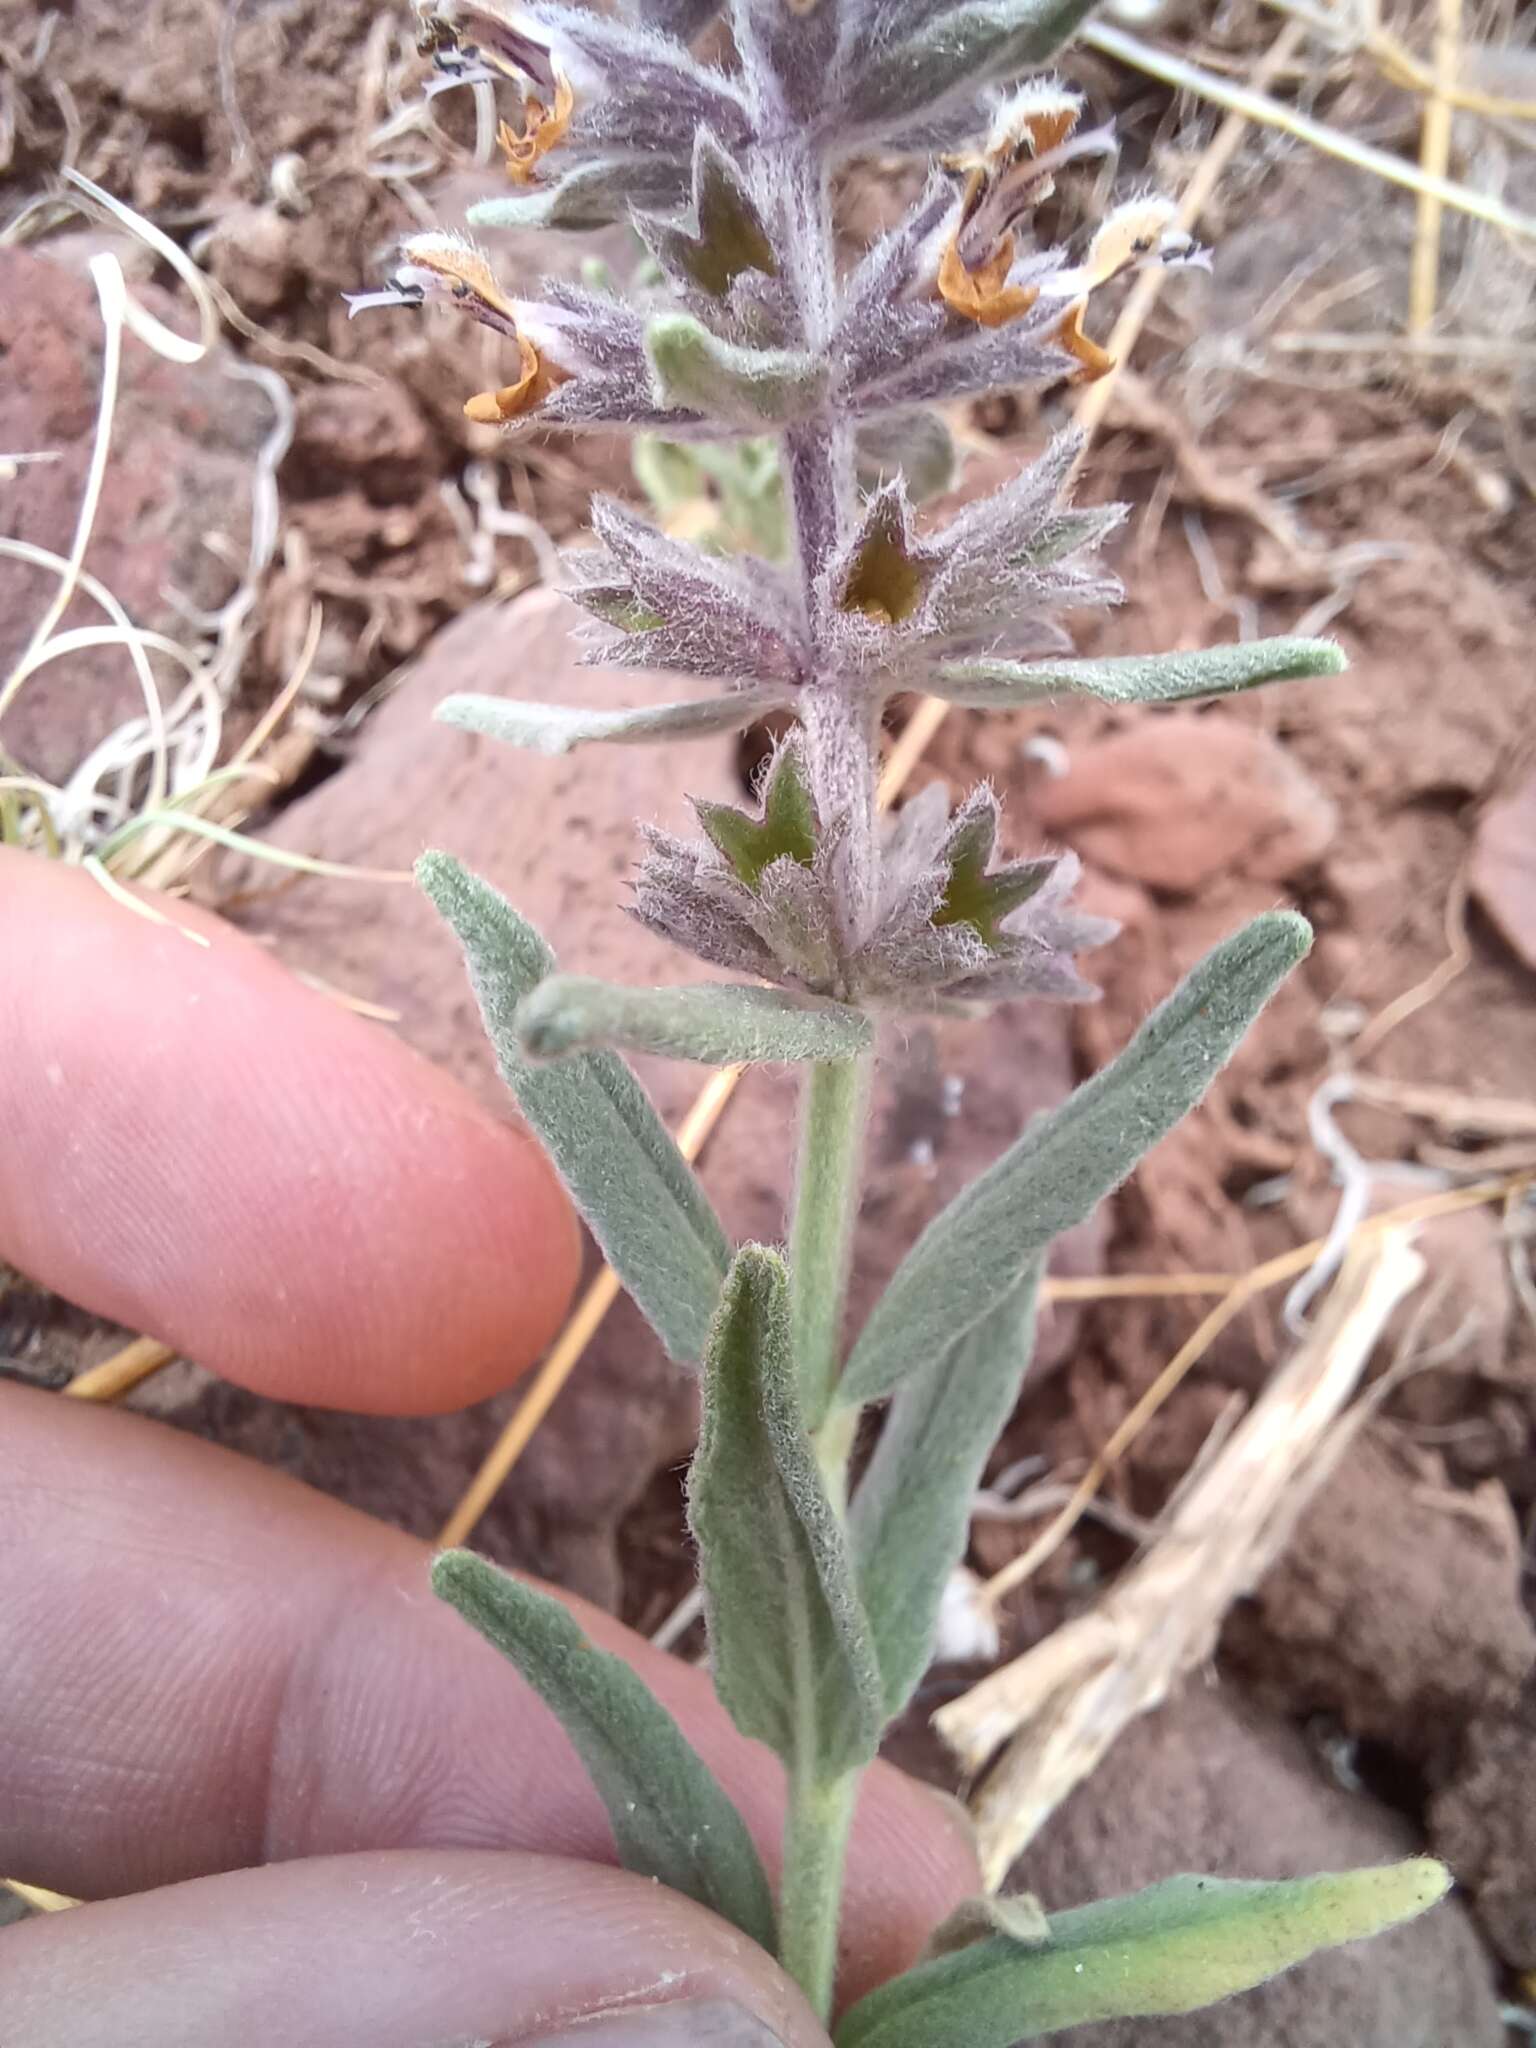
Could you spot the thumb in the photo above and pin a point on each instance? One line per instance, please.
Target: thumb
(399, 1949)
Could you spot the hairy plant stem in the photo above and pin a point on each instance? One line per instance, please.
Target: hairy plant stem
(841, 738)
(834, 1098)
(810, 1899)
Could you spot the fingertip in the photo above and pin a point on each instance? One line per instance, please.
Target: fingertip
(197, 1146)
(403, 1949)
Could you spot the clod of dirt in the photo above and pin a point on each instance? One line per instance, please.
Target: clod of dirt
(1484, 1824)
(1205, 1784)
(178, 477)
(343, 431)
(1503, 871)
(1397, 1609)
(1183, 801)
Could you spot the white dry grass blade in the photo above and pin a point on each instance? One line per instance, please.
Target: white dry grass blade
(36, 654)
(120, 311)
(103, 815)
(1060, 1706)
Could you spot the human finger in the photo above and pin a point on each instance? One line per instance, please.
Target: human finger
(209, 1665)
(401, 1949)
(194, 1144)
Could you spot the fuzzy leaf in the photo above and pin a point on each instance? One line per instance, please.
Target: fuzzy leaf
(591, 195)
(670, 1818)
(717, 1022)
(680, 18)
(1173, 1948)
(728, 236)
(887, 571)
(557, 728)
(749, 387)
(793, 1661)
(973, 1254)
(1138, 678)
(913, 445)
(718, 618)
(788, 55)
(956, 50)
(786, 830)
(641, 1199)
(911, 1516)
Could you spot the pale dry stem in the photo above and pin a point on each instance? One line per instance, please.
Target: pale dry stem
(1061, 1706)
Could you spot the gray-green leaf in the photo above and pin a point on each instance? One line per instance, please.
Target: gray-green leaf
(973, 1254)
(601, 190)
(957, 49)
(1172, 1948)
(717, 1022)
(793, 1661)
(911, 1515)
(1137, 678)
(670, 1818)
(642, 1200)
(696, 371)
(915, 445)
(557, 728)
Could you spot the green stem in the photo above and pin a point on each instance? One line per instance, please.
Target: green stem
(826, 1207)
(810, 1897)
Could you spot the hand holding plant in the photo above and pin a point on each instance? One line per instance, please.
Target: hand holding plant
(745, 326)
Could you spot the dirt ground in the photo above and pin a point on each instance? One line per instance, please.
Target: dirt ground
(1395, 1641)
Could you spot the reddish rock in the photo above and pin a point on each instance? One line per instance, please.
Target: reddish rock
(179, 475)
(1182, 801)
(1503, 870)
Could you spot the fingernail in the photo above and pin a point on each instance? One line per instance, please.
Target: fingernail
(700, 2023)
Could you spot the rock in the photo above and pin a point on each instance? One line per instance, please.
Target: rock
(1397, 1608)
(342, 431)
(1484, 1824)
(1181, 801)
(559, 836)
(178, 476)
(1503, 870)
(1204, 1785)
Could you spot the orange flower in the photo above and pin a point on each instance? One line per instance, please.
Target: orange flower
(543, 128)
(984, 294)
(498, 408)
(446, 269)
(1138, 232)
(1031, 136)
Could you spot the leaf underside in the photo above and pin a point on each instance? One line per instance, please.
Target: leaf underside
(911, 1515)
(973, 1254)
(671, 1820)
(793, 1661)
(1172, 1948)
(640, 1197)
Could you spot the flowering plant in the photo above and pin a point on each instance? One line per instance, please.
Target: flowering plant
(742, 324)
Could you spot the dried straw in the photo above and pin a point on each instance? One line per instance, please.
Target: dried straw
(1434, 161)
(1061, 1706)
